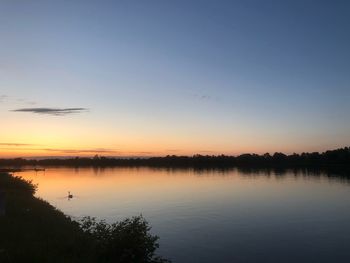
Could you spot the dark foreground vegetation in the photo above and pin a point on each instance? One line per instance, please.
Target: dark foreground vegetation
(339, 157)
(31, 230)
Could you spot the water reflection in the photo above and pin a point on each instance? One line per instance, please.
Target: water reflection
(227, 215)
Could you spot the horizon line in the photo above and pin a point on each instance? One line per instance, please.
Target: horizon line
(47, 157)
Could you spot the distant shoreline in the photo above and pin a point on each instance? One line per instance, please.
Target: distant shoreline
(332, 158)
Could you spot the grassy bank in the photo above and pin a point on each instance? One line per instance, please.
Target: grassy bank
(31, 230)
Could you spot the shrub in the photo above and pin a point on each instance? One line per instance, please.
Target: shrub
(125, 241)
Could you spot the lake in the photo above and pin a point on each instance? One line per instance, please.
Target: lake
(215, 215)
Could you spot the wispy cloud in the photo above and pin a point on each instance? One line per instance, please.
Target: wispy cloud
(28, 102)
(26, 147)
(3, 98)
(204, 97)
(78, 151)
(9, 144)
(15, 101)
(52, 111)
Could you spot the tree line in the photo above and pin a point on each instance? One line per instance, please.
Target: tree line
(328, 158)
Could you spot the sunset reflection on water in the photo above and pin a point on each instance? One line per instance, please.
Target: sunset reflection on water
(200, 214)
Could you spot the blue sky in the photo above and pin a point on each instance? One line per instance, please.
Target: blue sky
(191, 76)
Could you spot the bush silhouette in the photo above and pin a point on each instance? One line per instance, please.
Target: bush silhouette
(125, 241)
(32, 230)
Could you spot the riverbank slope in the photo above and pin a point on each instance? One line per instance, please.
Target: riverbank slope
(32, 230)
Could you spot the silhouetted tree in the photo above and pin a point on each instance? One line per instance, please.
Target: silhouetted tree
(334, 157)
(125, 241)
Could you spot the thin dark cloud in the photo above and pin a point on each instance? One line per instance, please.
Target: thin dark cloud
(76, 151)
(52, 111)
(205, 97)
(8, 144)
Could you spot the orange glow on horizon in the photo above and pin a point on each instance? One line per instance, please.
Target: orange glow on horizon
(72, 137)
(32, 152)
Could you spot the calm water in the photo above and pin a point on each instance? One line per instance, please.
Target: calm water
(215, 216)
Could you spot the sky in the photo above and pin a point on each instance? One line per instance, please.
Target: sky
(151, 78)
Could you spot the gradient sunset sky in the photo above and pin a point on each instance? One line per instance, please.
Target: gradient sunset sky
(145, 78)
